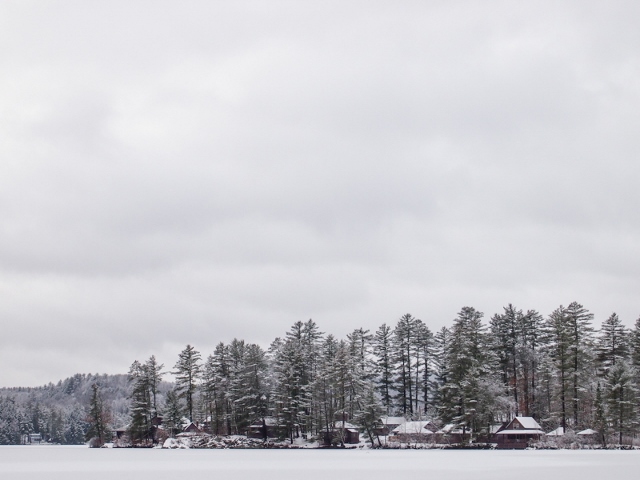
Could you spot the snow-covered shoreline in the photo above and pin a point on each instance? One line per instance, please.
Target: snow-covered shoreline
(71, 463)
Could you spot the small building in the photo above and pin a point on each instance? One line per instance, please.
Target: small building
(341, 432)
(418, 431)
(518, 433)
(192, 429)
(558, 432)
(385, 425)
(452, 433)
(589, 435)
(267, 427)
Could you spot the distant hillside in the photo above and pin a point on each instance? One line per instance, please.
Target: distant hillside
(58, 411)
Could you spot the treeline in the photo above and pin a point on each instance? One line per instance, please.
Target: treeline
(58, 412)
(471, 375)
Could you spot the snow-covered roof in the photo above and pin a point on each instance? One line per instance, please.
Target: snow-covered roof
(494, 428)
(588, 431)
(392, 420)
(190, 424)
(413, 427)
(269, 421)
(528, 423)
(347, 425)
(556, 433)
(520, 431)
(451, 428)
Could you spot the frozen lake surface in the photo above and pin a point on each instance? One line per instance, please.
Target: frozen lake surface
(70, 463)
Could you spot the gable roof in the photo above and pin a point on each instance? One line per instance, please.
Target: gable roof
(451, 428)
(392, 420)
(414, 427)
(347, 425)
(588, 431)
(556, 433)
(527, 423)
(192, 426)
(268, 421)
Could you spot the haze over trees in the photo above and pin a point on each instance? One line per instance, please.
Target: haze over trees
(471, 375)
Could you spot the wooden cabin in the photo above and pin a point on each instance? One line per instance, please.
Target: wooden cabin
(418, 431)
(341, 432)
(452, 433)
(518, 433)
(192, 429)
(385, 425)
(267, 427)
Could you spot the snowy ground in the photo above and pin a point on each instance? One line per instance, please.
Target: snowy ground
(71, 463)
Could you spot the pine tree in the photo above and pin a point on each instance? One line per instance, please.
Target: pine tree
(634, 345)
(10, 428)
(98, 419)
(621, 396)
(141, 406)
(153, 373)
(471, 391)
(529, 358)
(368, 413)
(75, 427)
(600, 416)
(426, 360)
(613, 345)
(406, 350)
(187, 373)
(580, 331)
(441, 343)
(382, 348)
(559, 349)
(173, 411)
(323, 387)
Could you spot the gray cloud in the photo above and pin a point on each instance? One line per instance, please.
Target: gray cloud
(194, 172)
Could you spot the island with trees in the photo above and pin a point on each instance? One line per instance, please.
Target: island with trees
(518, 380)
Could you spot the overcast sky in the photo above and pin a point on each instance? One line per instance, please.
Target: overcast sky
(190, 172)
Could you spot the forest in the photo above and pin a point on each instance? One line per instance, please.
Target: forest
(560, 369)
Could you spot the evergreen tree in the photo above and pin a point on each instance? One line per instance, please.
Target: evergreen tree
(580, 332)
(187, 373)
(10, 419)
(470, 393)
(75, 427)
(98, 419)
(600, 417)
(634, 345)
(441, 348)
(153, 373)
(559, 351)
(407, 360)
(621, 396)
(613, 345)
(382, 348)
(173, 411)
(141, 404)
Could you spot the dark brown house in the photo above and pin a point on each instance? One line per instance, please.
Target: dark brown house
(519, 433)
(341, 433)
(421, 431)
(192, 428)
(267, 427)
(385, 425)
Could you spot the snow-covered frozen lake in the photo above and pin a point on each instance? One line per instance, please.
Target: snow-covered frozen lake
(70, 463)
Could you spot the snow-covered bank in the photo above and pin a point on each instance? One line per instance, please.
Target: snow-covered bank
(230, 442)
(76, 463)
